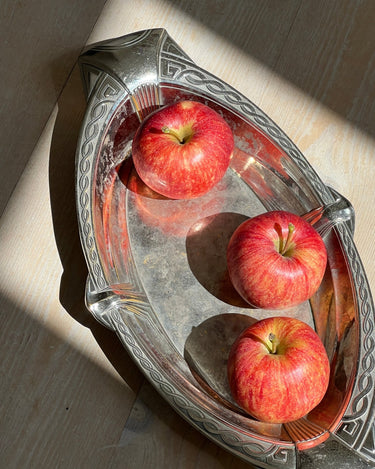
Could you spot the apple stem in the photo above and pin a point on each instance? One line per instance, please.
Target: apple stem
(285, 246)
(167, 130)
(270, 344)
(273, 347)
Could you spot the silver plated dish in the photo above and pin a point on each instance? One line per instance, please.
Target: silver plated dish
(157, 270)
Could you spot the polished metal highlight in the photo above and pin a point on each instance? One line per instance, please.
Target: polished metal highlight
(157, 272)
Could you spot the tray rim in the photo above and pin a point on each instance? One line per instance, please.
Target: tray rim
(175, 68)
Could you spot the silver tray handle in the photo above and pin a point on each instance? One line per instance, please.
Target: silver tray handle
(324, 218)
(133, 62)
(132, 66)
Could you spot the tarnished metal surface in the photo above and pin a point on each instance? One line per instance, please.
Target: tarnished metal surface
(157, 271)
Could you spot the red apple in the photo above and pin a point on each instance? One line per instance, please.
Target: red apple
(276, 260)
(278, 369)
(182, 150)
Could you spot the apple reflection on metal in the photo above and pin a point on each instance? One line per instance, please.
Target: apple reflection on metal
(182, 150)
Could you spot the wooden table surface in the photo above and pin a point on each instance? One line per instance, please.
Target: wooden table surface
(70, 395)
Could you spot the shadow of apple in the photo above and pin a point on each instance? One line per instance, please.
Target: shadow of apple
(206, 246)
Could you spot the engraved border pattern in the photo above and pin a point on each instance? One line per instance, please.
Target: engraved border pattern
(249, 448)
(358, 421)
(93, 126)
(176, 68)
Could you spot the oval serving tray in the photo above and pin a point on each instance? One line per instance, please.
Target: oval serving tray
(157, 271)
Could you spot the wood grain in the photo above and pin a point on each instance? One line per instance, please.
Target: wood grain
(41, 41)
(70, 395)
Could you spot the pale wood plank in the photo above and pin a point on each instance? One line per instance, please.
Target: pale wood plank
(41, 41)
(69, 390)
(155, 437)
(67, 383)
(332, 58)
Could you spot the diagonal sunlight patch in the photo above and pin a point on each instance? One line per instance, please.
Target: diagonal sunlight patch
(336, 149)
(31, 267)
(339, 151)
